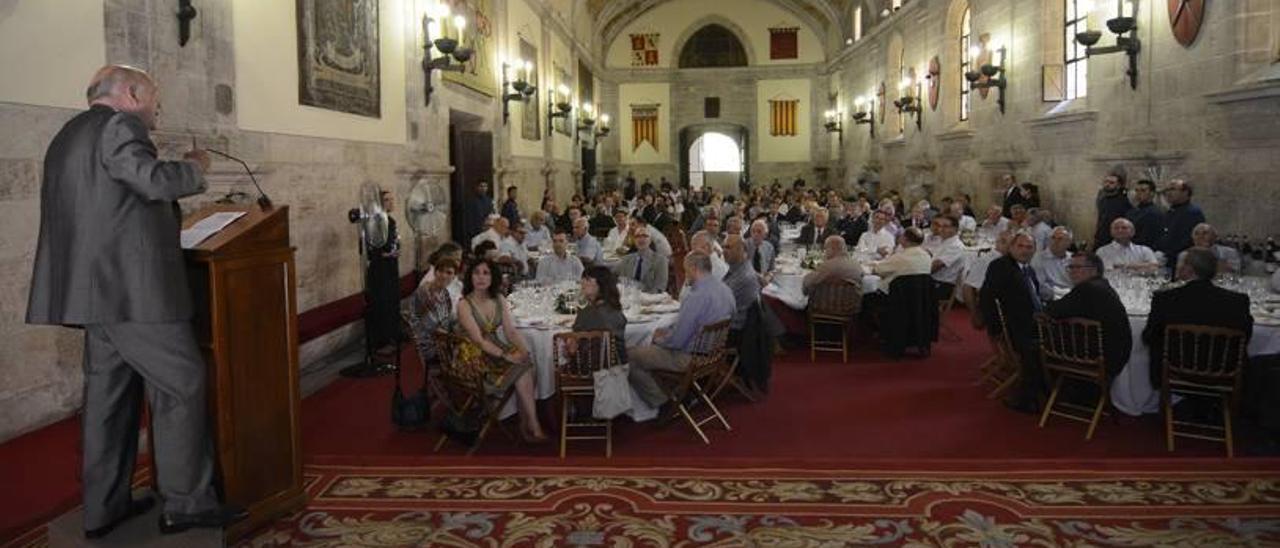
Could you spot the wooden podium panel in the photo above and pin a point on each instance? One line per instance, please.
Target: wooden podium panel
(244, 286)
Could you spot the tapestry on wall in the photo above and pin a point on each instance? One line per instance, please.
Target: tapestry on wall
(338, 63)
(531, 120)
(478, 73)
(783, 117)
(783, 43)
(644, 126)
(561, 125)
(644, 50)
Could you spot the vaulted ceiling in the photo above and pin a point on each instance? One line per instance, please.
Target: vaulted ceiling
(824, 16)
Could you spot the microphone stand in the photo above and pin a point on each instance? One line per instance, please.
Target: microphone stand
(263, 201)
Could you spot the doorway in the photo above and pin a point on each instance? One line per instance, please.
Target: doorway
(714, 157)
(471, 154)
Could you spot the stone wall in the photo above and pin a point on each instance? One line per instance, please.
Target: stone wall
(1209, 112)
(318, 178)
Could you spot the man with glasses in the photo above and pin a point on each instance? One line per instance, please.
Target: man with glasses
(645, 266)
(1093, 298)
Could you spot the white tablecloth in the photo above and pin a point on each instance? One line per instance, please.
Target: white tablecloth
(1132, 392)
(539, 340)
(789, 288)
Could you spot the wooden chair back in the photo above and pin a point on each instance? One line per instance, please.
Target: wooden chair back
(1072, 342)
(839, 298)
(577, 355)
(1205, 355)
(956, 294)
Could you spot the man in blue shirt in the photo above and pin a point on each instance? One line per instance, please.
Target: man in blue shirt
(589, 249)
(709, 301)
(1179, 221)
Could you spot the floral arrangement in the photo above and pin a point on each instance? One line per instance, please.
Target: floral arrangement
(812, 259)
(569, 302)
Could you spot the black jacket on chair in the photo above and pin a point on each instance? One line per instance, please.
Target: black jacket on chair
(1004, 282)
(755, 349)
(1096, 300)
(1197, 302)
(910, 315)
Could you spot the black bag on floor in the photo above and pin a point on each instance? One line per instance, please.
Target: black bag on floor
(413, 412)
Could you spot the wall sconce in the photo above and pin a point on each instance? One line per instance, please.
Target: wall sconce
(1129, 45)
(835, 124)
(186, 13)
(910, 105)
(558, 106)
(995, 74)
(864, 115)
(587, 123)
(450, 48)
(521, 89)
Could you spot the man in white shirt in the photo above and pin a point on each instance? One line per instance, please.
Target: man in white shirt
(703, 243)
(497, 230)
(879, 240)
(1041, 227)
(1123, 254)
(913, 259)
(948, 255)
(513, 248)
(559, 266)
(1051, 264)
(589, 249)
(967, 222)
(993, 224)
(539, 234)
(618, 234)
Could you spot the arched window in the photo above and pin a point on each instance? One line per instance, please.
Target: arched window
(1075, 61)
(966, 59)
(857, 23)
(713, 46)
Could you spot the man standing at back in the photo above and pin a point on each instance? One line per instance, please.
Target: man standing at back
(108, 260)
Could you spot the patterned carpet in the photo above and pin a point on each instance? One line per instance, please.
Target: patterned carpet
(638, 506)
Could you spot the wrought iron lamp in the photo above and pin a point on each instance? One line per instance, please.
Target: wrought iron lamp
(994, 73)
(1120, 25)
(450, 49)
(522, 90)
(864, 115)
(908, 104)
(186, 13)
(587, 123)
(558, 106)
(834, 123)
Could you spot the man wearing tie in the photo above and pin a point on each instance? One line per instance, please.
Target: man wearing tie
(108, 260)
(1012, 282)
(645, 266)
(816, 232)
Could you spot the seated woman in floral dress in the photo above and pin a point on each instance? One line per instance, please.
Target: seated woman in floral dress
(485, 319)
(431, 308)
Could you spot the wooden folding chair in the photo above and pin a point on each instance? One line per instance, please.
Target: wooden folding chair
(708, 350)
(833, 303)
(576, 357)
(1202, 361)
(729, 376)
(946, 305)
(1005, 370)
(463, 376)
(1071, 349)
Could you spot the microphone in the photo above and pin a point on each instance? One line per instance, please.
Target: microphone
(263, 201)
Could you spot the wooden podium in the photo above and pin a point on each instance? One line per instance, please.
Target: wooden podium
(243, 287)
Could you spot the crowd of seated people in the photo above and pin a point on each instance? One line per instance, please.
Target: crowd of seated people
(727, 248)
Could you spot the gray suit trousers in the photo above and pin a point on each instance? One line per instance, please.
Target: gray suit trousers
(119, 360)
(646, 358)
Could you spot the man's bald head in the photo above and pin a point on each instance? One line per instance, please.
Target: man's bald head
(833, 247)
(126, 89)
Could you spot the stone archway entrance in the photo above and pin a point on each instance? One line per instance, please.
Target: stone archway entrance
(715, 141)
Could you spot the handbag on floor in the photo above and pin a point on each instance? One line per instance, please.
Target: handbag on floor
(613, 392)
(411, 412)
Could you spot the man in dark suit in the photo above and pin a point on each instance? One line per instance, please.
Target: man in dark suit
(1011, 281)
(1197, 301)
(1093, 298)
(816, 232)
(108, 260)
(1012, 195)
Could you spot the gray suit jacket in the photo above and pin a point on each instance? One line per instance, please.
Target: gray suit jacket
(653, 271)
(108, 250)
(767, 255)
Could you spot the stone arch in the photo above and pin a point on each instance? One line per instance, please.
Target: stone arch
(694, 27)
(712, 46)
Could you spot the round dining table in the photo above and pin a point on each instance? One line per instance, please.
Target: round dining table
(533, 310)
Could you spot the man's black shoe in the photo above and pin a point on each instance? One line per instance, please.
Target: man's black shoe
(213, 519)
(136, 508)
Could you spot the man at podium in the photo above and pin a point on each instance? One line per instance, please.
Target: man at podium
(108, 261)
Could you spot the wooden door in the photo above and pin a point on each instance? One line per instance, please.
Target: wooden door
(471, 153)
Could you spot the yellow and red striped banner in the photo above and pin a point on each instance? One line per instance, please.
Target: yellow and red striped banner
(784, 118)
(644, 126)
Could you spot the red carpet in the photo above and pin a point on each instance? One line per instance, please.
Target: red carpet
(669, 506)
(906, 415)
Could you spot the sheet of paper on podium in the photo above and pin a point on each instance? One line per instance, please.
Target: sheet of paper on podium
(207, 227)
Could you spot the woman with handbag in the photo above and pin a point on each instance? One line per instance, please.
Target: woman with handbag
(485, 320)
(604, 307)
